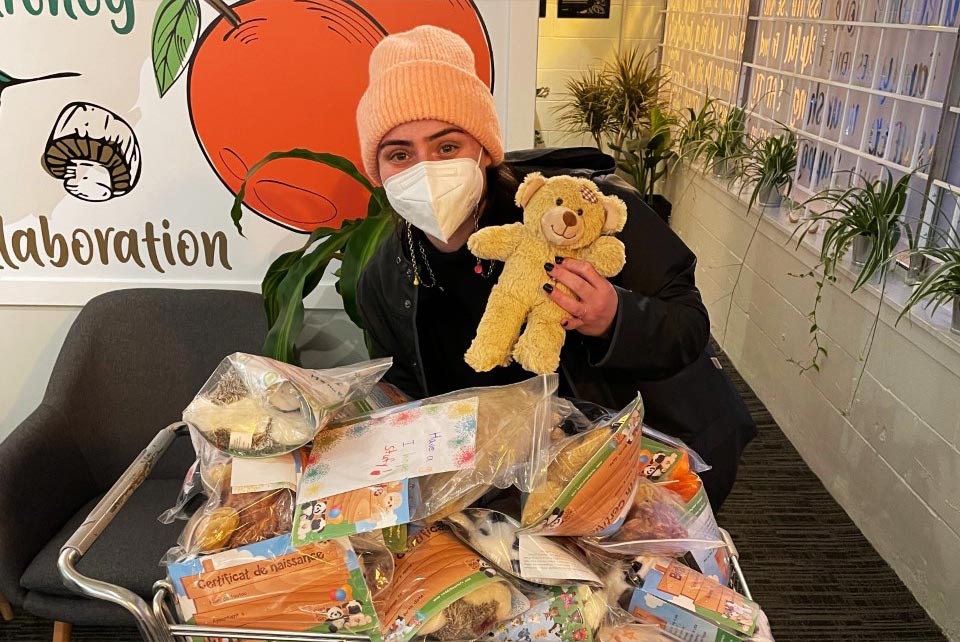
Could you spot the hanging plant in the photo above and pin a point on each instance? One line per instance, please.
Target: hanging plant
(872, 215)
(940, 286)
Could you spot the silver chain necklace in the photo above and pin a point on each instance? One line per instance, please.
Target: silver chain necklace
(417, 281)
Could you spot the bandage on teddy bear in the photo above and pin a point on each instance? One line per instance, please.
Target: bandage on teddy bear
(445, 591)
(563, 216)
(591, 483)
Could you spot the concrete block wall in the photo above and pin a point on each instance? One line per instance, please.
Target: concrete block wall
(567, 46)
(890, 455)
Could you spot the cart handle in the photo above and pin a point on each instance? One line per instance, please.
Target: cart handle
(735, 562)
(98, 520)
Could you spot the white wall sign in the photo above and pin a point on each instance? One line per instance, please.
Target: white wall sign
(127, 129)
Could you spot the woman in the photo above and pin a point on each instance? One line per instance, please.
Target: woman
(429, 133)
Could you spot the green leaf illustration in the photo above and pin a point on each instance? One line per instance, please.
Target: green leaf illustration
(176, 29)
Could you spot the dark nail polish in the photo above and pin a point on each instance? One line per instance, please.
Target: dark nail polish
(547, 288)
(558, 260)
(548, 266)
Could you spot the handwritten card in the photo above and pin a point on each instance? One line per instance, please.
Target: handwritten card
(412, 441)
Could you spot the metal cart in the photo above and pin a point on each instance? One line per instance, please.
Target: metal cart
(157, 621)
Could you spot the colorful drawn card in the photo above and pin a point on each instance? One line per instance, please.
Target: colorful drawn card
(271, 585)
(401, 443)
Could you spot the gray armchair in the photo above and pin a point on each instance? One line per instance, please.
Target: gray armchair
(129, 365)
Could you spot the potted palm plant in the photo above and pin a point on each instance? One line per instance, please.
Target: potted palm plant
(723, 151)
(941, 285)
(637, 85)
(768, 167)
(587, 108)
(614, 105)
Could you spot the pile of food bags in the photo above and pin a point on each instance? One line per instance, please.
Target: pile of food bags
(324, 500)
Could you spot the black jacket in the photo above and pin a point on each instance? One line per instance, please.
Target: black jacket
(659, 341)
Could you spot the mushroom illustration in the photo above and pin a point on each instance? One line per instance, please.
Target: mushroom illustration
(94, 152)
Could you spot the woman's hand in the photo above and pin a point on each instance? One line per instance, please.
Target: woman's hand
(593, 307)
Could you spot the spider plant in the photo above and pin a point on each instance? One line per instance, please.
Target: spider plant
(645, 160)
(941, 285)
(768, 167)
(870, 214)
(587, 109)
(695, 128)
(723, 151)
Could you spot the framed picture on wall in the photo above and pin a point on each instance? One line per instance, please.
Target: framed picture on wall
(583, 8)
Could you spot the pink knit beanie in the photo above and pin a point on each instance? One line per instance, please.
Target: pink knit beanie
(426, 73)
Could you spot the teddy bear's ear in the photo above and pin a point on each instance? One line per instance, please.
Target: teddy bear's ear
(530, 185)
(616, 211)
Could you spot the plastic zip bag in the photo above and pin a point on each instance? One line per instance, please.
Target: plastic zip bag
(443, 590)
(252, 406)
(271, 585)
(660, 523)
(497, 538)
(589, 486)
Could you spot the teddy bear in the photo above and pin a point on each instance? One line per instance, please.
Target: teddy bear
(563, 216)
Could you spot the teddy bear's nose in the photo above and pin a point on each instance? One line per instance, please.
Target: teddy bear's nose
(569, 218)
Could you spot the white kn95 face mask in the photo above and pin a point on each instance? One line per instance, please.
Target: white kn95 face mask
(436, 197)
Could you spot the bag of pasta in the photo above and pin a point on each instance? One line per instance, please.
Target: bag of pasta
(591, 482)
(443, 590)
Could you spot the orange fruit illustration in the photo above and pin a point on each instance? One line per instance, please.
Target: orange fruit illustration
(291, 75)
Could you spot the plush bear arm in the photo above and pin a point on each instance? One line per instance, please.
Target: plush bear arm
(607, 255)
(497, 242)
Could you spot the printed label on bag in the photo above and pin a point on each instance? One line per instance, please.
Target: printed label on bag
(356, 511)
(274, 586)
(673, 582)
(249, 475)
(543, 558)
(596, 500)
(558, 618)
(681, 624)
